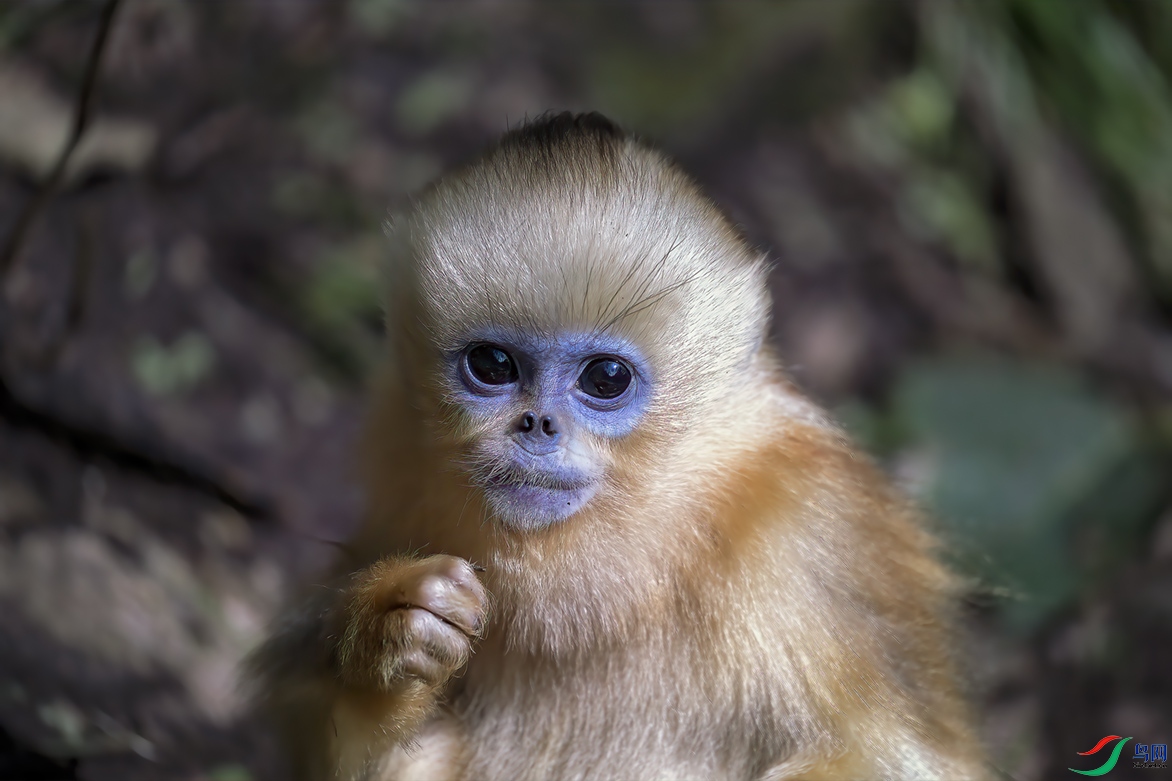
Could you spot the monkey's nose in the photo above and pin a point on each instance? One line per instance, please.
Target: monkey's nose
(537, 427)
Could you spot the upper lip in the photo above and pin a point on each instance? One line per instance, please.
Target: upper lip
(538, 451)
(513, 475)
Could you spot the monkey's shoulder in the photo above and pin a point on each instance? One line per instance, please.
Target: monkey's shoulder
(804, 486)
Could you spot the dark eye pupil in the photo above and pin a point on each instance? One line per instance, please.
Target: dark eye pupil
(605, 378)
(491, 365)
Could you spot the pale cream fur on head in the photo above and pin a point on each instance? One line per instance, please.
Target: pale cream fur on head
(581, 227)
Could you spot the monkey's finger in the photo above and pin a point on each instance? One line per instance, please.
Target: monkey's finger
(432, 646)
(450, 603)
(459, 601)
(453, 568)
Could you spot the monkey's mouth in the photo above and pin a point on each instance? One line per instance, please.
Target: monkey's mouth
(528, 499)
(514, 477)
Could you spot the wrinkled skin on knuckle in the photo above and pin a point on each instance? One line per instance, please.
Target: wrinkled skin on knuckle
(453, 603)
(449, 588)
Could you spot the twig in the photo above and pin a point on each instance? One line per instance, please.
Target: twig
(36, 204)
(86, 440)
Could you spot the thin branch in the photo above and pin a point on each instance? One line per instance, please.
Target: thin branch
(32, 210)
(88, 441)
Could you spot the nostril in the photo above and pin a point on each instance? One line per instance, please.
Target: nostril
(549, 426)
(528, 420)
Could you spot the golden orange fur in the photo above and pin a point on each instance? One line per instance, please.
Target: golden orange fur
(745, 599)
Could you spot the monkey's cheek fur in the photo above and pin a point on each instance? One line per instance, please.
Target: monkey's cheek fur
(530, 507)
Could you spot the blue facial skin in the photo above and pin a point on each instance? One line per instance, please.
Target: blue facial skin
(533, 475)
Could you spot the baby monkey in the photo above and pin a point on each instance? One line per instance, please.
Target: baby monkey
(606, 538)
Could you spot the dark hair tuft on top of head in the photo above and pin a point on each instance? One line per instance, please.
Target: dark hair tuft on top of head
(556, 129)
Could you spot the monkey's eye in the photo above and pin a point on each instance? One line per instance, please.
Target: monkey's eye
(491, 365)
(605, 378)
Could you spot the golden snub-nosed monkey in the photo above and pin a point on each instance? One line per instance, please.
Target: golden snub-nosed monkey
(606, 538)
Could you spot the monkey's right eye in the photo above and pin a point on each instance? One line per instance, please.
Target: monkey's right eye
(491, 365)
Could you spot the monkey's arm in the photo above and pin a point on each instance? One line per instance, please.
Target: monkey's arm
(358, 669)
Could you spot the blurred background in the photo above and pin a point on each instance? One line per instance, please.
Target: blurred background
(969, 205)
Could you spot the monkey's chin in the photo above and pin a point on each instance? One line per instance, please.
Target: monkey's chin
(530, 507)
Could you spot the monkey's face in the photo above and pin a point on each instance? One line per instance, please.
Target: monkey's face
(542, 410)
(567, 315)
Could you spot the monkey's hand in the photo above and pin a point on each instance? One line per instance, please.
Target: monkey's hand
(407, 618)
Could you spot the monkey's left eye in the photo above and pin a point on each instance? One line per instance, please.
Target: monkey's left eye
(491, 365)
(605, 378)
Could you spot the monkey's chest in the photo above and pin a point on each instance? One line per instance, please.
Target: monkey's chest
(537, 726)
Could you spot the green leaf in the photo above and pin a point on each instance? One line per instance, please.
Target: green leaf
(229, 773)
(1018, 450)
(164, 371)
